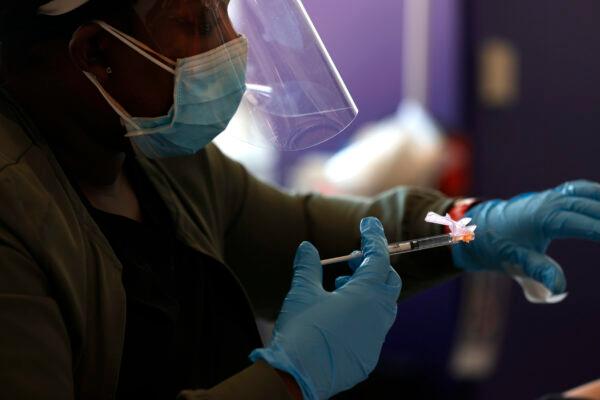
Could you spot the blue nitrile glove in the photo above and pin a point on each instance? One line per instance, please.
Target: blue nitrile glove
(517, 232)
(331, 341)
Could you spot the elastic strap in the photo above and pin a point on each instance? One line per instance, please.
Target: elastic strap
(60, 7)
(140, 48)
(111, 101)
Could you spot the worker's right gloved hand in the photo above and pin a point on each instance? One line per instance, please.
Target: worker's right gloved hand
(331, 341)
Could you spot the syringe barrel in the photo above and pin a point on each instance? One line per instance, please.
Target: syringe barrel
(432, 242)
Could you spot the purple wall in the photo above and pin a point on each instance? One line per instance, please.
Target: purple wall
(364, 40)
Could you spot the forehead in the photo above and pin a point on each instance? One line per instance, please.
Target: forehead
(182, 28)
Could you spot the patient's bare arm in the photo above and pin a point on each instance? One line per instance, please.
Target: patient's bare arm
(589, 391)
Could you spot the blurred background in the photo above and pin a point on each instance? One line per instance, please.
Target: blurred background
(474, 98)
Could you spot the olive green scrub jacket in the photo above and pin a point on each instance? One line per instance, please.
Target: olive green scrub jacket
(62, 303)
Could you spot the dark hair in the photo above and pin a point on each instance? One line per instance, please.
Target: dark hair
(21, 27)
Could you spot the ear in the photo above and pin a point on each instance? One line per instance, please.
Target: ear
(88, 50)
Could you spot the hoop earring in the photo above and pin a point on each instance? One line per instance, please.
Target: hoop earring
(109, 70)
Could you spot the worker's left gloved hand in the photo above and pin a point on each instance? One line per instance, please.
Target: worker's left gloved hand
(514, 235)
(331, 341)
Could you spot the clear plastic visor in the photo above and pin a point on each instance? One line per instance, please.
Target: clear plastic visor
(295, 98)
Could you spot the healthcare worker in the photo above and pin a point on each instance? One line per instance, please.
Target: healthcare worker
(134, 256)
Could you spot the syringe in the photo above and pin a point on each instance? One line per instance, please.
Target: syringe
(411, 246)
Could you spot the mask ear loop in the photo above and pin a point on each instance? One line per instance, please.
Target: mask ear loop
(112, 101)
(144, 51)
(141, 48)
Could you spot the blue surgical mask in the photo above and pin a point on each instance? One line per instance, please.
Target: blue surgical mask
(209, 88)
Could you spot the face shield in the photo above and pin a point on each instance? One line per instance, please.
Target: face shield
(295, 95)
(292, 95)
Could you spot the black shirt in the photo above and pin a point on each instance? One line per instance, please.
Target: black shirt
(187, 324)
